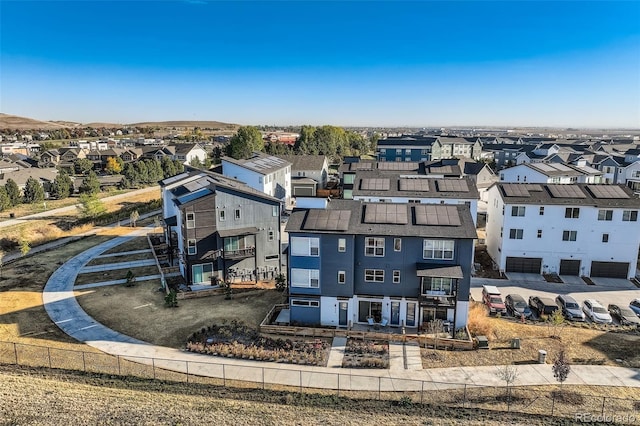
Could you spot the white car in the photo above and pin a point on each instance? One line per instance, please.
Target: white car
(596, 312)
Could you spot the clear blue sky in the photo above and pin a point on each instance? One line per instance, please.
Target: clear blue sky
(416, 63)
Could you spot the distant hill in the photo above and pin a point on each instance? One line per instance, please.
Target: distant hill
(8, 121)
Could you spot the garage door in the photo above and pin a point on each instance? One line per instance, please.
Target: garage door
(569, 267)
(529, 265)
(303, 191)
(610, 269)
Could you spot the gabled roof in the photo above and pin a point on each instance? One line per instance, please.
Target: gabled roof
(185, 148)
(259, 162)
(305, 162)
(374, 184)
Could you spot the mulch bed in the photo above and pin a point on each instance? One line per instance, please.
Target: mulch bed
(366, 354)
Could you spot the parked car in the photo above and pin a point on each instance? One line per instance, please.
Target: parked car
(492, 298)
(635, 306)
(570, 308)
(542, 305)
(596, 312)
(625, 316)
(517, 306)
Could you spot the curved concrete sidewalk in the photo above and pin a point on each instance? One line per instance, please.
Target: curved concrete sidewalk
(64, 310)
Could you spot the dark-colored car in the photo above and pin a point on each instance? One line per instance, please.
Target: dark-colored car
(570, 308)
(635, 306)
(542, 305)
(517, 306)
(624, 315)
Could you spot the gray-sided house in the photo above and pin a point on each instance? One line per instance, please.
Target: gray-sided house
(308, 173)
(403, 263)
(224, 230)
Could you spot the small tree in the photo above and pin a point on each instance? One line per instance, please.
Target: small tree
(130, 279)
(509, 374)
(5, 202)
(281, 282)
(25, 247)
(228, 291)
(133, 217)
(62, 185)
(555, 322)
(171, 299)
(435, 327)
(114, 165)
(1, 261)
(90, 206)
(13, 192)
(33, 191)
(90, 184)
(561, 368)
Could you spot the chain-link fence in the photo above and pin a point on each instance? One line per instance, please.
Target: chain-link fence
(553, 402)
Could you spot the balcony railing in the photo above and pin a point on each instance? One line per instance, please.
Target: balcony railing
(239, 254)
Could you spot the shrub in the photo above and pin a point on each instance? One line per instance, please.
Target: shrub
(478, 322)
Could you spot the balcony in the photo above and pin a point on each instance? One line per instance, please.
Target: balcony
(239, 254)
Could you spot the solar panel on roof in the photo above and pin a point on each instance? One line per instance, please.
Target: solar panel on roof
(374, 184)
(533, 188)
(442, 169)
(566, 191)
(327, 220)
(437, 214)
(607, 191)
(360, 166)
(386, 213)
(515, 190)
(396, 165)
(452, 185)
(194, 195)
(421, 185)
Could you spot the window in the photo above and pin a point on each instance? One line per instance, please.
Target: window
(605, 238)
(541, 211)
(539, 233)
(572, 212)
(342, 277)
(438, 249)
(202, 273)
(437, 285)
(374, 275)
(309, 278)
(569, 235)
(272, 235)
(605, 214)
(397, 244)
(275, 211)
(235, 243)
(305, 303)
(517, 211)
(271, 257)
(515, 234)
(237, 214)
(342, 245)
(396, 276)
(191, 247)
(304, 246)
(221, 215)
(630, 215)
(191, 220)
(374, 247)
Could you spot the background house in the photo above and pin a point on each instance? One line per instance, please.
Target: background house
(308, 173)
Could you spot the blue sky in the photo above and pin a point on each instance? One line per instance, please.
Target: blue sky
(419, 63)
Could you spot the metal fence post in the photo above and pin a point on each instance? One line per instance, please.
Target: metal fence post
(262, 378)
(379, 387)
(300, 371)
(153, 365)
(15, 351)
(508, 399)
(84, 364)
(604, 398)
(338, 384)
(49, 356)
(464, 396)
(553, 402)
(119, 370)
(224, 376)
(422, 393)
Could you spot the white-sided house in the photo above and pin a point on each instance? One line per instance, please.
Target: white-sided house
(308, 173)
(629, 175)
(186, 153)
(266, 173)
(550, 173)
(580, 229)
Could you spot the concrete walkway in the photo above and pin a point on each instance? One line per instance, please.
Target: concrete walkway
(119, 265)
(64, 310)
(122, 281)
(124, 253)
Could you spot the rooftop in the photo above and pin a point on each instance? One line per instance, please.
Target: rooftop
(259, 163)
(569, 194)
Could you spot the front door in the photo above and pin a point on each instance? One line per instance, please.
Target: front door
(395, 313)
(411, 314)
(342, 314)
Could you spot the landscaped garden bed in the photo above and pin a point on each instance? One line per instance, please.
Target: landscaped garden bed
(237, 340)
(366, 354)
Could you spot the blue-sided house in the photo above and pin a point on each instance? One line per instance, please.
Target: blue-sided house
(399, 264)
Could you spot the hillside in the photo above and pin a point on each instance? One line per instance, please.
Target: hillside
(8, 121)
(189, 124)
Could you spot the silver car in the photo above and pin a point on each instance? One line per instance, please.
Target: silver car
(570, 308)
(596, 312)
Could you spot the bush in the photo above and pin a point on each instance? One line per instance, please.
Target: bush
(478, 322)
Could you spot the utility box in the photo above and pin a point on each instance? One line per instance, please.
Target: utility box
(542, 357)
(483, 343)
(515, 343)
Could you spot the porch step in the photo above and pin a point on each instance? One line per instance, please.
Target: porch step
(337, 352)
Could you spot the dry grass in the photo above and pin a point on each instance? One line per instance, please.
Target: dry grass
(125, 258)
(136, 243)
(116, 274)
(478, 322)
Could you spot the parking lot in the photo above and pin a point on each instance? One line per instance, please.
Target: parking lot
(606, 291)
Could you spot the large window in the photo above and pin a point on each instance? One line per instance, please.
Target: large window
(192, 247)
(305, 303)
(517, 210)
(374, 247)
(605, 214)
(437, 286)
(569, 235)
(191, 220)
(309, 278)
(202, 273)
(572, 212)
(515, 234)
(630, 215)
(374, 275)
(235, 243)
(438, 249)
(305, 246)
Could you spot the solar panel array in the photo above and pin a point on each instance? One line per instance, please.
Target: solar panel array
(607, 191)
(566, 191)
(264, 163)
(515, 190)
(452, 185)
(437, 214)
(361, 166)
(397, 165)
(194, 195)
(327, 220)
(441, 169)
(531, 187)
(374, 184)
(407, 184)
(386, 213)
